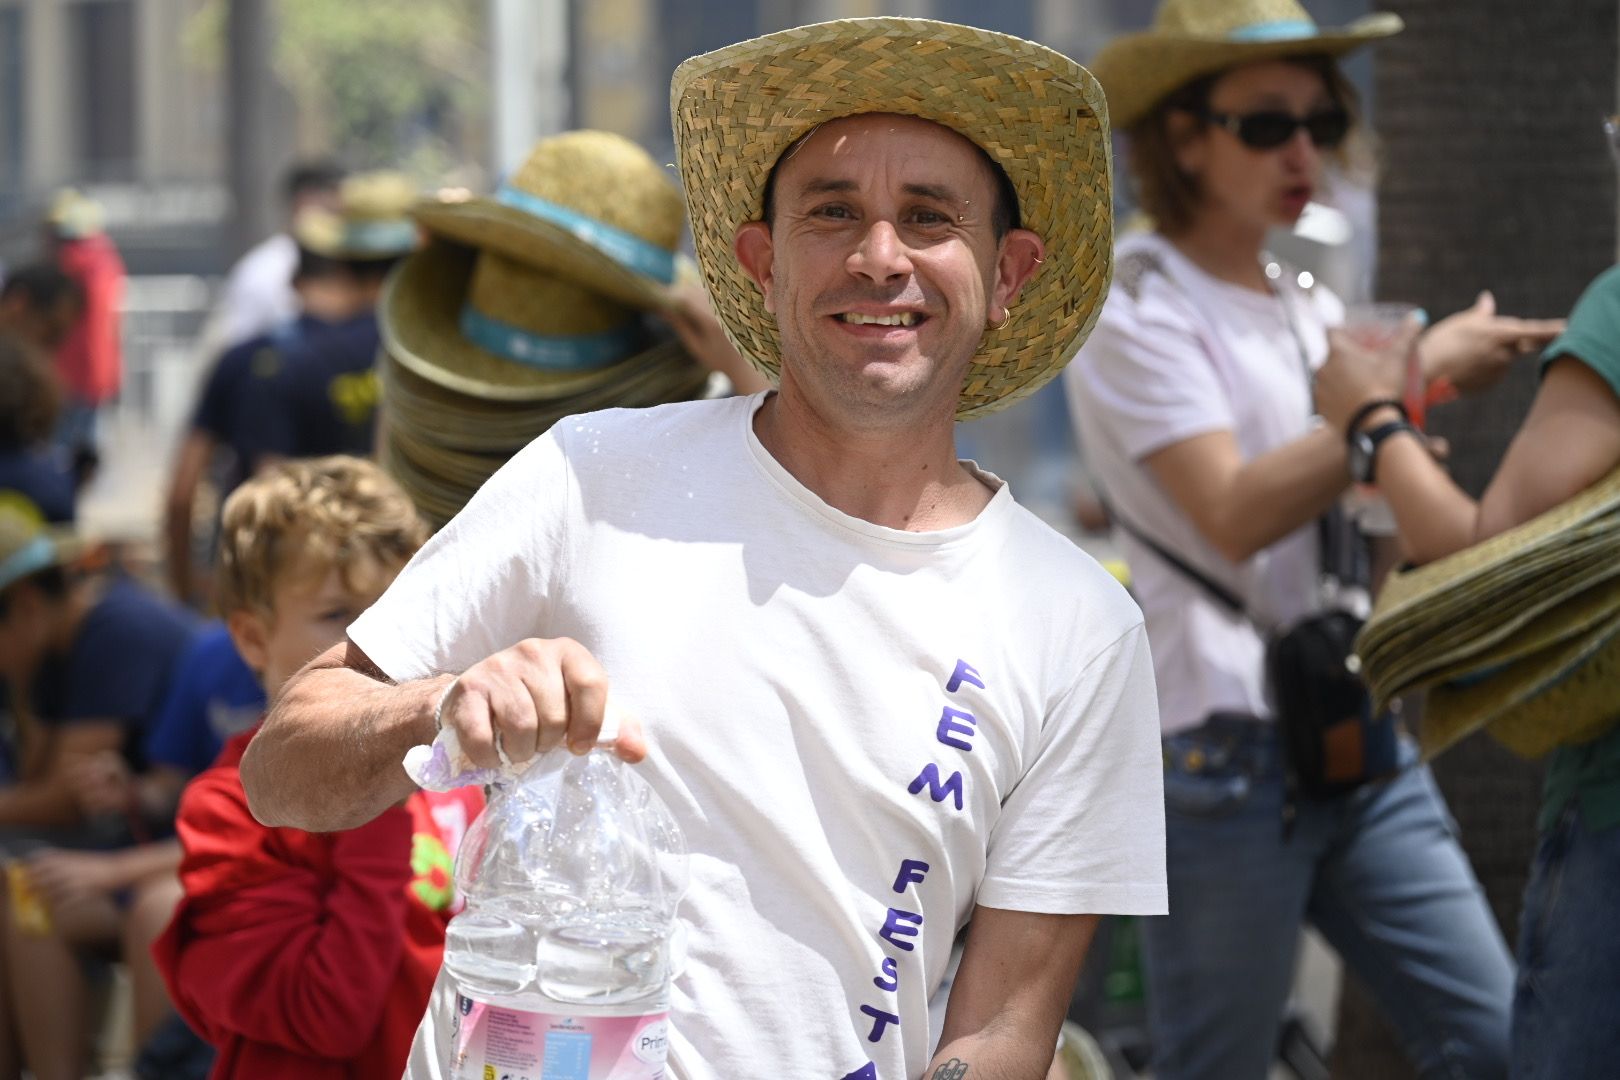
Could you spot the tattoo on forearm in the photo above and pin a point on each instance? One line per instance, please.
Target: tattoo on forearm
(954, 1069)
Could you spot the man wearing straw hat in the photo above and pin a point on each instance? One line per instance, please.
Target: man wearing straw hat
(880, 697)
(318, 396)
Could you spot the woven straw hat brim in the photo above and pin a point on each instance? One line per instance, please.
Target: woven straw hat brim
(420, 319)
(441, 478)
(1562, 694)
(1505, 635)
(1137, 70)
(1035, 112)
(474, 425)
(1432, 650)
(435, 499)
(1415, 593)
(485, 223)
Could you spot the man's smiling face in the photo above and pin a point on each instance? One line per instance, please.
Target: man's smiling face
(882, 264)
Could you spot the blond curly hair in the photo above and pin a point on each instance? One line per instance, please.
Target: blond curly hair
(308, 518)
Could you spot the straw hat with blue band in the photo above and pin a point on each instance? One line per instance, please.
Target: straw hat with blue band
(1036, 113)
(1193, 38)
(528, 306)
(589, 207)
(27, 545)
(371, 221)
(478, 323)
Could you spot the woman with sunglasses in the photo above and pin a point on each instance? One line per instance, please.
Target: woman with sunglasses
(1193, 401)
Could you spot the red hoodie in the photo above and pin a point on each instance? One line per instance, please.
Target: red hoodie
(90, 361)
(308, 955)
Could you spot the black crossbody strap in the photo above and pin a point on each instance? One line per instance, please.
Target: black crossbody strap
(1220, 593)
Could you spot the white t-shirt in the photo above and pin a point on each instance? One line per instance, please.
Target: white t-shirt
(259, 294)
(862, 731)
(1177, 353)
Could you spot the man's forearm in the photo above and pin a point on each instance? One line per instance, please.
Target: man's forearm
(329, 754)
(987, 1057)
(38, 802)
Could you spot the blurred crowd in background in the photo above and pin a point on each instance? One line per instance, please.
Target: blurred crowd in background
(162, 341)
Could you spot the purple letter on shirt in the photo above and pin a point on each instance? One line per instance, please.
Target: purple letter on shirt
(900, 924)
(880, 1022)
(951, 725)
(964, 673)
(889, 981)
(865, 1072)
(929, 778)
(910, 870)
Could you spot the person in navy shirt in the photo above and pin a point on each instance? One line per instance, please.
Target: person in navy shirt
(215, 696)
(33, 477)
(322, 397)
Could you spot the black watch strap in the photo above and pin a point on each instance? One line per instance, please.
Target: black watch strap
(1368, 408)
(1375, 439)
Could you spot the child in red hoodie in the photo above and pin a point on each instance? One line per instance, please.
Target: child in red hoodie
(301, 954)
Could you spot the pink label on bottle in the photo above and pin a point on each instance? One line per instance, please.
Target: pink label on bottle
(492, 1043)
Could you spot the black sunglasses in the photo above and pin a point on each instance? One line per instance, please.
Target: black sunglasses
(1270, 129)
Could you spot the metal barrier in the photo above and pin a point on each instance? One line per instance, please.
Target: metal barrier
(163, 320)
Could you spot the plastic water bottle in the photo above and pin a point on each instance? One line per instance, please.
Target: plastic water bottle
(563, 957)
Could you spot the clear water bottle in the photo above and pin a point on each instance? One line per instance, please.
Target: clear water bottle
(562, 960)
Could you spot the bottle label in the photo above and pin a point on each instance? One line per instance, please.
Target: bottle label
(494, 1043)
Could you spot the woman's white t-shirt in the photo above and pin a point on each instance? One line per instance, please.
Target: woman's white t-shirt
(1175, 354)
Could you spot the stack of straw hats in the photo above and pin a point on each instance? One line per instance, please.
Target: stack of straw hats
(527, 306)
(1519, 635)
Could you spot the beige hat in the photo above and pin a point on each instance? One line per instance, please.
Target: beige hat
(74, 215)
(371, 220)
(1036, 113)
(589, 207)
(482, 324)
(1506, 635)
(527, 307)
(1193, 38)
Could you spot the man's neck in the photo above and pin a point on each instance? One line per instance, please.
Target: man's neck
(907, 480)
(1226, 250)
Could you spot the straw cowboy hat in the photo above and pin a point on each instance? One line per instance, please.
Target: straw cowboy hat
(1192, 38)
(481, 324)
(590, 207)
(1036, 113)
(371, 221)
(528, 307)
(1519, 634)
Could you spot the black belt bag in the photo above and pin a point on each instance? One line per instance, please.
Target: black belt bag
(1332, 742)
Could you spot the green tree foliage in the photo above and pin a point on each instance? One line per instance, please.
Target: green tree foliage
(385, 83)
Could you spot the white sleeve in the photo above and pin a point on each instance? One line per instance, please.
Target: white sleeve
(1151, 380)
(486, 580)
(1083, 830)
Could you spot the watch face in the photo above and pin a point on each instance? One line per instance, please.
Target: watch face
(1361, 457)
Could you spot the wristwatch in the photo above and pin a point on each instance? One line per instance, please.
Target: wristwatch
(1364, 448)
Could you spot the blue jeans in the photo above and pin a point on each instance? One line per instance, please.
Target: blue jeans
(1379, 873)
(1566, 1010)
